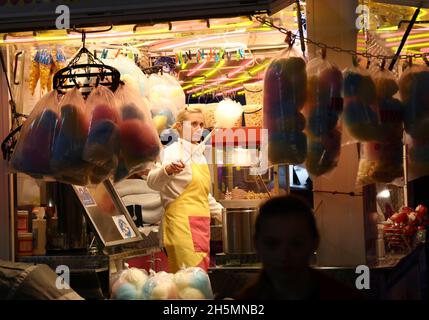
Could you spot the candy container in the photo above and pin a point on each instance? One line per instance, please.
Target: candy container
(322, 109)
(70, 140)
(103, 143)
(360, 105)
(159, 286)
(139, 141)
(33, 150)
(193, 283)
(284, 97)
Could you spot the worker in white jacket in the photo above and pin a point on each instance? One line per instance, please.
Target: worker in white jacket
(183, 178)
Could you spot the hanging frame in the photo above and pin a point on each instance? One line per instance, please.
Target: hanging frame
(68, 77)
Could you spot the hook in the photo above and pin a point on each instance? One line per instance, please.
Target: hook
(355, 61)
(323, 53)
(83, 38)
(290, 40)
(383, 64)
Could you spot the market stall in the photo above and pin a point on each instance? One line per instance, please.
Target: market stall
(93, 108)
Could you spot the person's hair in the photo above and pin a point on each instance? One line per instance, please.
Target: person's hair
(285, 206)
(184, 113)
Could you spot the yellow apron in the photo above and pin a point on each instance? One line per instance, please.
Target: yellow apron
(186, 224)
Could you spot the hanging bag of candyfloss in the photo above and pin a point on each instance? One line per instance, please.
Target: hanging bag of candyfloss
(381, 160)
(103, 142)
(285, 85)
(322, 110)
(34, 147)
(414, 92)
(139, 140)
(360, 114)
(70, 139)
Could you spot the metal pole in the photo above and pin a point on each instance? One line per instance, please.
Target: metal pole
(405, 164)
(300, 28)
(404, 38)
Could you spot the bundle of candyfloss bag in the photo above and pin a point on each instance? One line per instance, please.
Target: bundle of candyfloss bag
(72, 140)
(187, 284)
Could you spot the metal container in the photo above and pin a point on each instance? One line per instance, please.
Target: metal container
(238, 229)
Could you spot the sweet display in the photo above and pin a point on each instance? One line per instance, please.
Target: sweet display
(187, 284)
(284, 97)
(85, 142)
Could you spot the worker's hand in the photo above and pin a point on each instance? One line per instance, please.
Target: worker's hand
(175, 167)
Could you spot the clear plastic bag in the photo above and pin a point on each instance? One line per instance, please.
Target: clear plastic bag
(33, 150)
(160, 286)
(360, 114)
(103, 144)
(380, 162)
(322, 110)
(139, 141)
(70, 139)
(414, 91)
(284, 97)
(193, 284)
(130, 71)
(165, 93)
(390, 109)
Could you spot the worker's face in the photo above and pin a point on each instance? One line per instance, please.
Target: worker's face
(285, 244)
(192, 128)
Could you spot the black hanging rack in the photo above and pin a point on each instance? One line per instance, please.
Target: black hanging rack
(105, 75)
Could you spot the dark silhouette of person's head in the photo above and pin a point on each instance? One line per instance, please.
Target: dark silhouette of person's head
(286, 234)
(286, 238)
